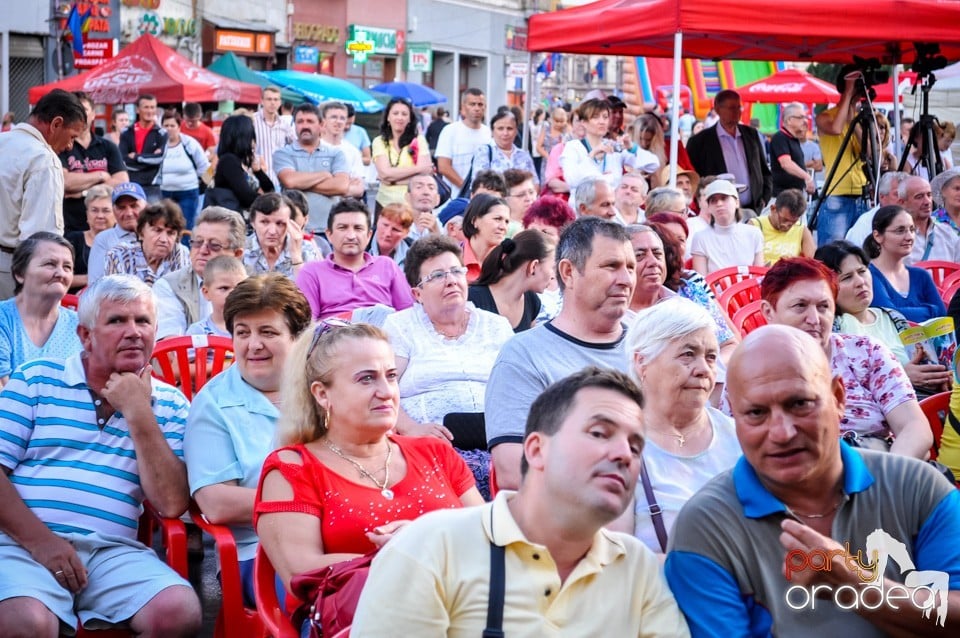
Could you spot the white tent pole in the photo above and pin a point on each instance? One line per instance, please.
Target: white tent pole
(675, 107)
(895, 133)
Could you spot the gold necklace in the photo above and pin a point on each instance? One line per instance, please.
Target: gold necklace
(384, 490)
(461, 329)
(824, 514)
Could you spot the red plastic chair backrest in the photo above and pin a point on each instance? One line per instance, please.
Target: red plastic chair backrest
(939, 270)
(949, 287)
(272, 615)
(932, 407)
(70, 301)
(739, 295)
(749, 318)
(189, 362)
(720, 280)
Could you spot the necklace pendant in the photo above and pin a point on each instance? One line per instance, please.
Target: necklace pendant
(681, 439)
(387, 493)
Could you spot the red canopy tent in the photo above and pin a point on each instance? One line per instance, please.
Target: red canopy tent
(790, 85)
(814, 30)
(149, 66)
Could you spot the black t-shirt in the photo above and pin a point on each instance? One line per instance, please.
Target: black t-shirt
(784, 144)
(101, 155)
(482, 298)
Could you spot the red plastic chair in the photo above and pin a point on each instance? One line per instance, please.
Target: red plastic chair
(174, 539)
(949, 287)
(739, 295)
(274, 618)
(935, 409)
(234, 619)
(748, 318)
(939, 270)
(720, 280)
(70, 301)
(172, 360)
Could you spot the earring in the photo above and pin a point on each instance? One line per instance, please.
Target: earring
(326, 417)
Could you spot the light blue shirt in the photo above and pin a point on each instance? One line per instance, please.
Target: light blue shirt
(229, 433)
(16, 347)
(735, 158)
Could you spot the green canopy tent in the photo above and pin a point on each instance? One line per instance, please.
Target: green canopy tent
(229, 65)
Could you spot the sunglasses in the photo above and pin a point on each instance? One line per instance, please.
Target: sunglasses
(325, 326)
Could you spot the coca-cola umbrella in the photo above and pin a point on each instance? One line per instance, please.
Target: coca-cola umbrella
(148, 66)
(790, 85)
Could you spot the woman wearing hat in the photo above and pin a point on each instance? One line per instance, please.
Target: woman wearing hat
(725, 242)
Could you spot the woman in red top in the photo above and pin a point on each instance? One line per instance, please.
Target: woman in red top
(342, 485)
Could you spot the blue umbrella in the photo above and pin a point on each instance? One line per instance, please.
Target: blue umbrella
(418, 94)
(323, 88)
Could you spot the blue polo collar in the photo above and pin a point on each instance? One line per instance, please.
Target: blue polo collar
(758, 502)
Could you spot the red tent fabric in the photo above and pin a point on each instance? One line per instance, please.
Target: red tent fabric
(885, 91)
(790, 85)
(811, 30)
(149, 66)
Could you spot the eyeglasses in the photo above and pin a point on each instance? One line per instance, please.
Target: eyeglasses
(325, 326)
(213, 245)
(441, 275)
(902, 230)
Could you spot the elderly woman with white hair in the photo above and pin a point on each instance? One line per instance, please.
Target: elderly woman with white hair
(946, 195)
(673, 354)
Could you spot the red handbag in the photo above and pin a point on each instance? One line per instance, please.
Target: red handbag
(331, 594)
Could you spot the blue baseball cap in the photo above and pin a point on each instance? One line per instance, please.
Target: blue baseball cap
(128, 189)
(453, 208)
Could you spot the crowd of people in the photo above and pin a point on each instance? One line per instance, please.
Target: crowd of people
(513, 346)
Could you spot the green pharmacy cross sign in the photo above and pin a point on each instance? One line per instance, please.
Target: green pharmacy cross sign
(359, 46)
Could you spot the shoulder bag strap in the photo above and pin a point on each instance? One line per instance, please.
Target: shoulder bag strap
(494, 628)
(656, 514)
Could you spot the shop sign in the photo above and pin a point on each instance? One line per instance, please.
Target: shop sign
(156, 25)
(359, 46)
(419, 57)
(95, 53)
(381, 40)
(516, 38)
(243, 41)
(517, 69)
(306, 58)
(308, 32)
(100, 13)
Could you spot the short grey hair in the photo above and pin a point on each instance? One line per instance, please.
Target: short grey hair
(100, 191)
(576, 241)
(941, 181)
(902, 186)
(586, 192)
(661, 199)
(888, 179)
(233, 219)
(636, 229)
(790, 108)
(112, 288)
(654, 328)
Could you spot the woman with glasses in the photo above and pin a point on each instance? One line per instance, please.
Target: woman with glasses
(445, 346)
(905, 288)
(100, 217)
(399, 152)
(342, 483)
(233, 419)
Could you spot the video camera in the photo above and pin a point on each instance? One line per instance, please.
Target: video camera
(870, 70)
(928, 58)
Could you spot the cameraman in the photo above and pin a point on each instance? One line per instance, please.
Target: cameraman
(845, 200)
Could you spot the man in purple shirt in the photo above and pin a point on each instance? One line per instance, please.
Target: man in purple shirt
(351, 278)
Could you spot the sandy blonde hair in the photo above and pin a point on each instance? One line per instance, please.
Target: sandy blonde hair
(301, 419)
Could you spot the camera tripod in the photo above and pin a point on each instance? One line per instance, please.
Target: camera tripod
(929, 148)
(870, 153)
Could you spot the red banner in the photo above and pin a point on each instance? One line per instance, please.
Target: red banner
(95, 53)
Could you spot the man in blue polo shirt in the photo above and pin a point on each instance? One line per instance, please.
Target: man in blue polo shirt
(806, 534)
(83, 442)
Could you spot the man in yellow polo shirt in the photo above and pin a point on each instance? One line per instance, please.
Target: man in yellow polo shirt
(561, 572)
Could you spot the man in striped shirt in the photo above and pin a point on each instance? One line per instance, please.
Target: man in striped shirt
(82, 443)
(271, 132)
